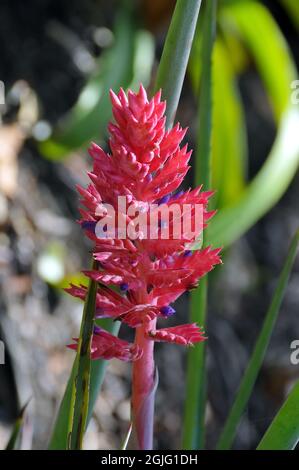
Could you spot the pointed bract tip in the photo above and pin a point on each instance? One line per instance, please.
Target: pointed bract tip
(114, 99)
(142, 93)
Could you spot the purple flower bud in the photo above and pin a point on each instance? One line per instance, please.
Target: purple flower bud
(177, 195)
(88, 225)
(124, 287)
(96, 330)
(187, 253)
(164, 200)
(149, 177)
(167, 311)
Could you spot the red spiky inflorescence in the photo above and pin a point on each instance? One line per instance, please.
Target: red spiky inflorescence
(138, 278)
(146, 165)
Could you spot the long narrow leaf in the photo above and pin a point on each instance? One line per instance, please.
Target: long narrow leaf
(193, 426)
(283, 433)
(15, 437)
(265, 189)
(260, 33)
(193, 430)
(258, 354)
(82, 368)
(176, 53)
(229, 141)
(98, 368)
(256, 27)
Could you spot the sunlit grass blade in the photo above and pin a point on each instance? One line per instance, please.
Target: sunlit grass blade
(283, 432)
(175, 56)
(259, 351)
(15, 438)
(193, 428)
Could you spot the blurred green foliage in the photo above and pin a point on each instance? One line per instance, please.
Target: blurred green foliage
(128, 62)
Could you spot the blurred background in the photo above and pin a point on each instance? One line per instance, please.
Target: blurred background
(57, 63)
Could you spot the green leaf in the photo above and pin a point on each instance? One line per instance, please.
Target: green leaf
(79, 404)
(283, 433)
(203, 153)
(251, 23)
(194, 412)
(193, 428)
(264, 190)
(255, 26)
(258, 354)
(76, 278)
(15, 438)
(88, 118)
(98, 368)
(175, 56)
(229, 141)
(144, 56)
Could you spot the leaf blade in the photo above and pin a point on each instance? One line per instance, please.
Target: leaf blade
(259, 352)
(193, 427)
(15, 436)
(80, 387)
(229, 140)
(265, 190)
(175, 56)
(283, 432)
(271, 182)
(255, 25)
(58, 439)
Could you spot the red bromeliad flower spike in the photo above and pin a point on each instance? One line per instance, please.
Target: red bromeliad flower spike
(139, 278)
